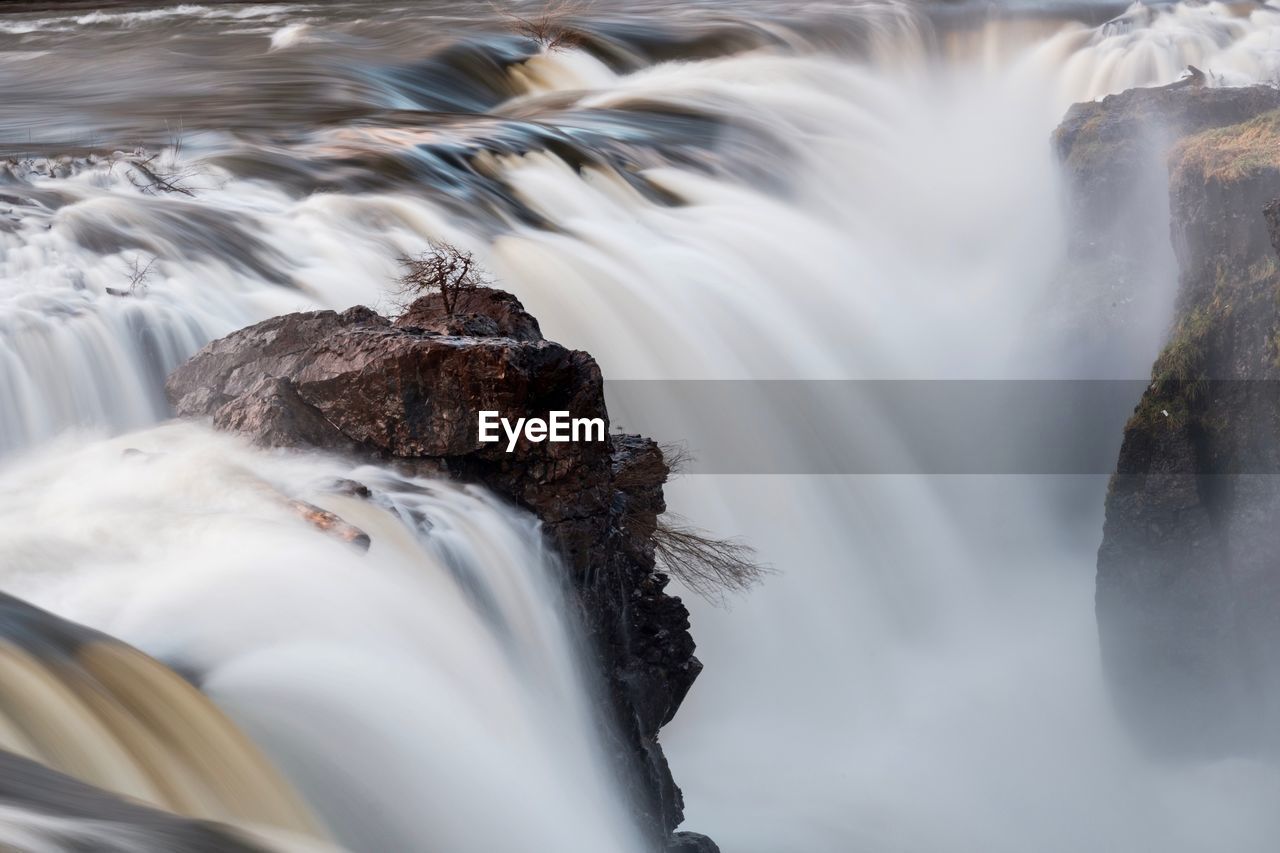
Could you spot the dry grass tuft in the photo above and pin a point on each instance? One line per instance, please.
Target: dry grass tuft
(677, 456)
(1231, 153)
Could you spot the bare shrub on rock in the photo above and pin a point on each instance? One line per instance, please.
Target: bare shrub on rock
(444, 269)
(548, 26)
(709, 567)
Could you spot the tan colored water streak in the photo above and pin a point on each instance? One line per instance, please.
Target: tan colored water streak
(243, 784)
(64, 732)
(115, 718)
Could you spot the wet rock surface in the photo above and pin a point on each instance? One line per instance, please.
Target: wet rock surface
(83, 817)
(692, 842)
(409, 393)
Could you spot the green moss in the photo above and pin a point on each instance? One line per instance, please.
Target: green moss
(1088, 152)
(1180, 374)
(1181, 365)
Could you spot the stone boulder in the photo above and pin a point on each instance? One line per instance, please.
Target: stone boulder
(481, 312)
(409, 392)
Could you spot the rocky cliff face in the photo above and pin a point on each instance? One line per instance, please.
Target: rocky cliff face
(409, 392)
(1112, 147)
(1188, 594)
(1113, 294)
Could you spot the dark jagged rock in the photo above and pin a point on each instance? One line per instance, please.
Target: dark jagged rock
(409, 392)
(1188, 595)
(691, 842)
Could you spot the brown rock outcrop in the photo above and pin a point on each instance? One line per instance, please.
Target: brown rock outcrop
(409, 392)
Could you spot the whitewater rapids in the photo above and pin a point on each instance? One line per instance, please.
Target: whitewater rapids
(727, 191)
(407, 692)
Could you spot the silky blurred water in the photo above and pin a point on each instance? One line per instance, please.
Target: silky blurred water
(711, 190)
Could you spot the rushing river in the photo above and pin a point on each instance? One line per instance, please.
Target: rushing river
(698, 191)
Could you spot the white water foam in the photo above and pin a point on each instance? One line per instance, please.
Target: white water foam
(425, 695)
(922, 673)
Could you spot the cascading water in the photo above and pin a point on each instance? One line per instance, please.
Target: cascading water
(94, 709)
(782, 191)
(406, 692)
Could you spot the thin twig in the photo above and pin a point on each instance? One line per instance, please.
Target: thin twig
(444, 269)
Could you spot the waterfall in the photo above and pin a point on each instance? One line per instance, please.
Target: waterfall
(410, 693)
(99, 711)
(810, 192)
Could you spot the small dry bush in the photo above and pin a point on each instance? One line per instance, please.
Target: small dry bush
(444, 269)
(139, 276)
(709, 567)
(549, 26)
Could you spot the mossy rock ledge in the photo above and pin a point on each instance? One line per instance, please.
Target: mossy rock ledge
(1188, 585)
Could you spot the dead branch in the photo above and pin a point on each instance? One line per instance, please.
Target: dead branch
(444, 269)
(139, 276)
(549, 27)
(709, 567)
(149, 176)
(677, 455)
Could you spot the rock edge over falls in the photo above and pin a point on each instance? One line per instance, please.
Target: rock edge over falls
(408, 393)
(1188, 586)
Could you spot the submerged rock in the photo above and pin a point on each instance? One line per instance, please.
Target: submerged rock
(67, 814)
(409, 392)
(83, 766)
(1188, 590)
(330, 523)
